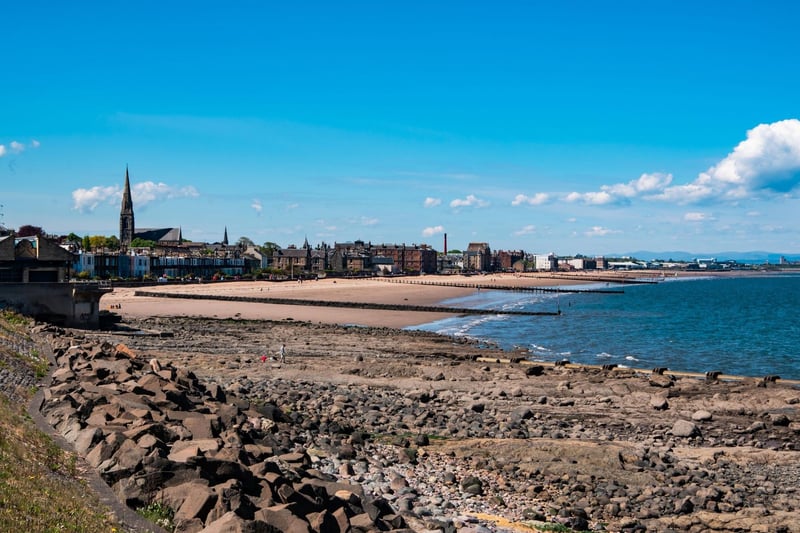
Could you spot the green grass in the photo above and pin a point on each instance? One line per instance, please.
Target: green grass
(159, 514)
(40, 367)
(40, 486)
(15, 326)
(13, 319)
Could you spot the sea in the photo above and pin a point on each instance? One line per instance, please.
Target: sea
(745, 325)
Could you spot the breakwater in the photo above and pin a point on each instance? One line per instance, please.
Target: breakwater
(620, 280)
(494, 287)
(348, 305)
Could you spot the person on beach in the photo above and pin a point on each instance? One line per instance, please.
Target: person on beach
(282, 354)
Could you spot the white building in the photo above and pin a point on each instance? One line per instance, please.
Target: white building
(545, 262)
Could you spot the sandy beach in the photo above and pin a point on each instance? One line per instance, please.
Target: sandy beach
(421, 291)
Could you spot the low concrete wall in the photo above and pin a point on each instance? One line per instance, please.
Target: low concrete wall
(75, 305)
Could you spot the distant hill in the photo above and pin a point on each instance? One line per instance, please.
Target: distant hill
(742, 257)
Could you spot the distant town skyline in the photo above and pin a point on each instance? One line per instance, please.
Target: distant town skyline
(582, 128)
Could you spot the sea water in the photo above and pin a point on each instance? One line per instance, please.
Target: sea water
(748, 325)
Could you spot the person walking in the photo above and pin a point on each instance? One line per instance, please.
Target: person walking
(282, 354)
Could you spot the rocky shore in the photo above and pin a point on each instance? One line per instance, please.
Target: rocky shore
(376, 429)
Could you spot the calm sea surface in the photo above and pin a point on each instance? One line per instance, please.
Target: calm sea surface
(746, 326)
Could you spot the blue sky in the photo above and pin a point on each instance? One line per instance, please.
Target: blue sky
(571, 127)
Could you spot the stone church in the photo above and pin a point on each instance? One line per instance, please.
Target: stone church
(127, 226)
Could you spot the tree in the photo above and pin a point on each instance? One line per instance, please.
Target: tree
(244, 242)
(138, 242)
(30, 231)
(86, 243)
(73, 238)
(269, 248)
(97, 242)
(100, 242)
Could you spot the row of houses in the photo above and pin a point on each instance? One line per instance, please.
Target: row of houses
(350, 258)
(357, 258)
(25, 259)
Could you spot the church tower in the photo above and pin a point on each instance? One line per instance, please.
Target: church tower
(225, 237)
(126, 226)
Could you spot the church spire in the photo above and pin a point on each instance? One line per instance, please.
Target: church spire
(225, 238)
(126, 222)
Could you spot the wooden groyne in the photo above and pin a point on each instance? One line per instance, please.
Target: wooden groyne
(620, 280)
(348, 305)
(493, 287)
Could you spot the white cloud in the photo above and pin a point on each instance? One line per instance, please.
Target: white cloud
(16, 147)
(527, 230)
(537, 199)
(768, 159)
(292, 206)
(256, 206)
(433, 230)
(591, 198)
(142, 193)
(685, 194)
(148, 191)
(432, 202)
(621, 193)
(766, 163)
(470, 201)
(89, 199)
(599, 231)
(695, 216)
(369, 221)
(645, 184)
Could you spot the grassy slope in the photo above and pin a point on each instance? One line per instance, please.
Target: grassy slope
(40, 490)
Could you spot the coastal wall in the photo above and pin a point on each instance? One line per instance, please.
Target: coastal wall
(69, 304)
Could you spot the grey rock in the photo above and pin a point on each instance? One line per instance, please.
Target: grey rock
(684, 428)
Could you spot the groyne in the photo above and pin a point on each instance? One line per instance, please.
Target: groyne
(619, 280)
(494, 287)
(348, 305)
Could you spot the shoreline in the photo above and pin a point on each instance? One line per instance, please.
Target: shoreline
(124, 302)
(575, 446)
(407, 303)
(447, 431)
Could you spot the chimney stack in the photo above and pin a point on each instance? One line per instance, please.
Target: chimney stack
(445, 244)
